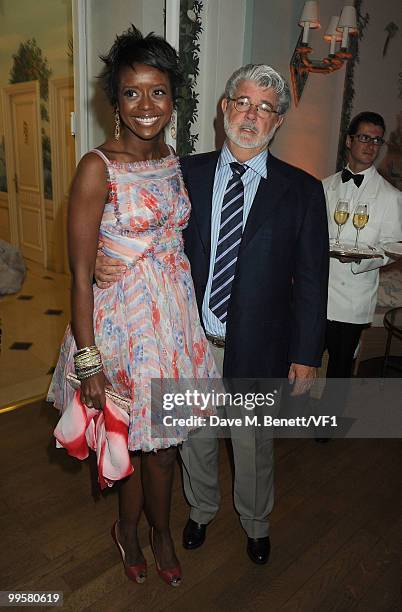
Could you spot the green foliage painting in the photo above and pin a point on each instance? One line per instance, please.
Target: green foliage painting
(189, 49)
(29, 64)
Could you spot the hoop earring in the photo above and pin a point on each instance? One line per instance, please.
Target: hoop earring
(173, 131)
(116, 124)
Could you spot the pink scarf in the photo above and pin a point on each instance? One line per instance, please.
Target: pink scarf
(105, 431)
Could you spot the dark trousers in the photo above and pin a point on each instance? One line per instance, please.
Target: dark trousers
(341, 341)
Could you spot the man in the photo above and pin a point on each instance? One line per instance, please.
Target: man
(257, 242)
(352, 291)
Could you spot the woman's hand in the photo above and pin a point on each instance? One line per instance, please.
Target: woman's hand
(93, 391)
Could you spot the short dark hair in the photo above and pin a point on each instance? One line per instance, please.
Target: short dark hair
(365, 117)
(132, 48)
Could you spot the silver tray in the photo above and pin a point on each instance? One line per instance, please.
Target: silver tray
(393, 249)
(346, 249)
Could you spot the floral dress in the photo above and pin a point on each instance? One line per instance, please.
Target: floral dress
(146, 325)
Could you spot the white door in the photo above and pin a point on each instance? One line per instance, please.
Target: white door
(23, 143)
(61, 105)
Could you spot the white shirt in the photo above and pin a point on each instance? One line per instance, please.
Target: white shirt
(257, 170)
(352, 287)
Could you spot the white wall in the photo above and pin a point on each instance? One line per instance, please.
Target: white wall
(221, 53)
(96, 24)
(266, 31)
(376, 77)
(309, 136)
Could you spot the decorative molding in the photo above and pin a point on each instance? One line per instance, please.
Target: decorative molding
(349, 91)
(61, 100)
(29, 197)
(4, 224)
(49, 212)
(172, 35)
(189, 51)
(3, 168)
(81, 78)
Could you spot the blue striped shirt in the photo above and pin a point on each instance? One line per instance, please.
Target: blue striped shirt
(257, 168)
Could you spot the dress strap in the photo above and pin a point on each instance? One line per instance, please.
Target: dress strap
(101, 155)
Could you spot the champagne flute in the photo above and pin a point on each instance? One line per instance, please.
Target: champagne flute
(360, 219)
(341, 215)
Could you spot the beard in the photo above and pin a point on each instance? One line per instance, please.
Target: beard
(246, 142)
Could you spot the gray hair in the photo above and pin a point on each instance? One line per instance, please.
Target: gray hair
(264, 76)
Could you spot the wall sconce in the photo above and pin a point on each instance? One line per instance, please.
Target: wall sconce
(338, 31)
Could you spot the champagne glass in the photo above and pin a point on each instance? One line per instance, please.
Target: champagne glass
(341, 215)
(360, 219)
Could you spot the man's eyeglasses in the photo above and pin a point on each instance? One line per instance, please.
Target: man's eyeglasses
(365, 138)
(243, 105)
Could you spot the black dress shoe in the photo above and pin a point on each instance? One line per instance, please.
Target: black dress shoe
(258, 549)
(194, 534)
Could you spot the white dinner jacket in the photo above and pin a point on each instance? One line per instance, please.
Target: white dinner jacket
(352, 287)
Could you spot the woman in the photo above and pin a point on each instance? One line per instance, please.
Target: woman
(129, 194)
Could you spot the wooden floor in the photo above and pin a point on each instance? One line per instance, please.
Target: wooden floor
(336, 531)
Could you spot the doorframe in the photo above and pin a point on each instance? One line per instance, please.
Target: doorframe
(172, 35)
(80, 64)
(7, 93)
(55, 86)
(81, 35)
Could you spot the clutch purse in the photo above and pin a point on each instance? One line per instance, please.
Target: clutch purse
(119, 400)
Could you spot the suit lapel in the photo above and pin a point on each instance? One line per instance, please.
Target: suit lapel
(269, 193)
(201, 183)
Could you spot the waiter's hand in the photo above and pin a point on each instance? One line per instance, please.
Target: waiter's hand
(301, 377)
(107, 269)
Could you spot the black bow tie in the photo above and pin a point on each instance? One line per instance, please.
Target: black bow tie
(347, 175)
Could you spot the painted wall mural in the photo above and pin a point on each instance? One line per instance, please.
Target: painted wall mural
(391, 29)
(29, 64)
(391, 165)
(35, 44)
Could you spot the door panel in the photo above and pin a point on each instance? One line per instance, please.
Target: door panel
(24, 159)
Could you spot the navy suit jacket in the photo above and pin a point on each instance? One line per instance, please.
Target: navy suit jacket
(278, 304)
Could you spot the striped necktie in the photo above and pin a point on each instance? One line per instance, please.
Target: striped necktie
(229, 239)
